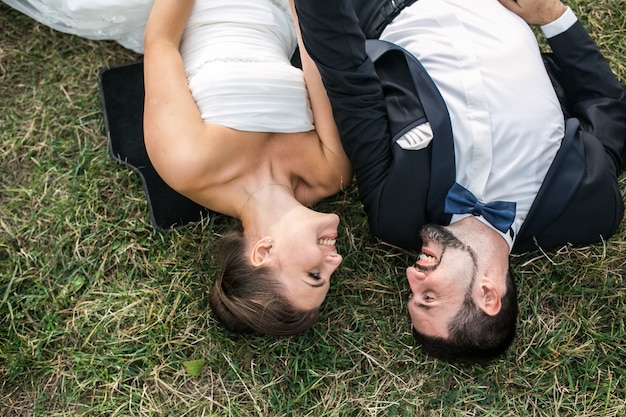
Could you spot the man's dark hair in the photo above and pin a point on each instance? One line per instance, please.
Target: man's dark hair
(475, 336)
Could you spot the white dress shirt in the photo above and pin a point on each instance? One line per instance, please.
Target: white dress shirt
(506, 118)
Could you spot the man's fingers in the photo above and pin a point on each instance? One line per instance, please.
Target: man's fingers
(536, 11)
(512, 5)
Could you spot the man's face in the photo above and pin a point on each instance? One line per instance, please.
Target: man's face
(440, 278)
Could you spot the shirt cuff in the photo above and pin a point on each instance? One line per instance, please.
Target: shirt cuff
(560, 25)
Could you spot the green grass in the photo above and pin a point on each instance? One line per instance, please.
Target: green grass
(99, 313)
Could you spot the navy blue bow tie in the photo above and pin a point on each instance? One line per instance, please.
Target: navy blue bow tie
(500, 214)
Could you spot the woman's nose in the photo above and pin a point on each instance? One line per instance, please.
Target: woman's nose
(334, 259)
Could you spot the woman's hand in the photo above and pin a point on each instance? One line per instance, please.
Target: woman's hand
(540, 12)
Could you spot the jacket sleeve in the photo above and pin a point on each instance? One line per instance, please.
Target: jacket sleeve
(394, 183)
(593, 93)
(590, 93)
(333, 38)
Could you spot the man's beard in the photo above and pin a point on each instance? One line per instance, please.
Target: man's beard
(445, 239)
(441, 236)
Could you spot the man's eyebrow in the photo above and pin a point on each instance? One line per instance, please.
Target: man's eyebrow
(424, 306)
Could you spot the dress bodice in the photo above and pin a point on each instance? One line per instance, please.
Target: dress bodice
(237, 59)
(236, 54)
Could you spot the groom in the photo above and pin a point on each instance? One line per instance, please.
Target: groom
(494, 160)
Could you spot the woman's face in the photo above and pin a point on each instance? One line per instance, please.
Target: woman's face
(305, 256)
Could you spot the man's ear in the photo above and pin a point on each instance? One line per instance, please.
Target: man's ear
(490, 302)
(260, 251)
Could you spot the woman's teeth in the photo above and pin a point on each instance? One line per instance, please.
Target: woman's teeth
(327, 242)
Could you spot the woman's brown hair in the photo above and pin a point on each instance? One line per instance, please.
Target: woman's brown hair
(248, 299)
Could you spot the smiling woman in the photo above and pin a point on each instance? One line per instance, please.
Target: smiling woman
(218, 78)
(241, 287)
(306, 260)
(231, 124)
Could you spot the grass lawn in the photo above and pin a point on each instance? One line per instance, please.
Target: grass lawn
(100, 315)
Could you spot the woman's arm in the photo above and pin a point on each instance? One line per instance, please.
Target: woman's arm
(173, 126)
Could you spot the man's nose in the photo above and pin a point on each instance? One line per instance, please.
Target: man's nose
(414, 273)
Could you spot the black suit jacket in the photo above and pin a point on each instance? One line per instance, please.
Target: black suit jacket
(374, 102)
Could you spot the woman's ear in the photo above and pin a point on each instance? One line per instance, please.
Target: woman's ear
(260, 251)
(490, 302)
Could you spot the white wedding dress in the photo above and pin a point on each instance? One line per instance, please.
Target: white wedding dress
(123, 21)
(236, 54)
(237, 58)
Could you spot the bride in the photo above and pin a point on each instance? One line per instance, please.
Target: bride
(231, 124)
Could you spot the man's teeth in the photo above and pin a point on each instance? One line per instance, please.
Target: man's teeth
(427, 258)
(327, 242)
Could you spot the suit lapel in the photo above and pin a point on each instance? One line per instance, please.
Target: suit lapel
(420, 98)
(560, 184)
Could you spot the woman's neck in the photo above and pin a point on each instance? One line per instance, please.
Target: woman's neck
(266, 206)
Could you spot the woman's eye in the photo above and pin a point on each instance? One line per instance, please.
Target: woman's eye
(315, 276)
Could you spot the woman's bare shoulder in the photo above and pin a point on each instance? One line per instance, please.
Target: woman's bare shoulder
(316, 175)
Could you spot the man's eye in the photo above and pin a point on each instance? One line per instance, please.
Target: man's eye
(315, 276)
(428, 297)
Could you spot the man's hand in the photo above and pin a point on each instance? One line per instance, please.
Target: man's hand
(540, 12)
